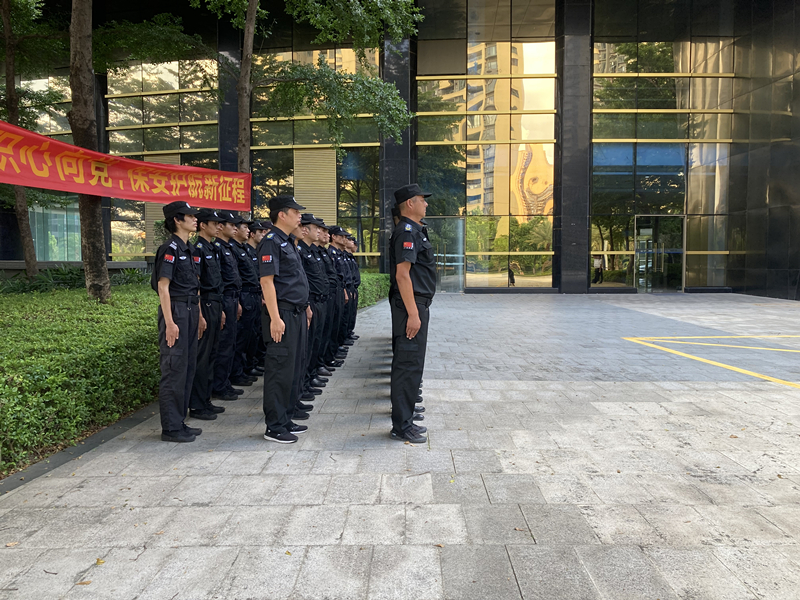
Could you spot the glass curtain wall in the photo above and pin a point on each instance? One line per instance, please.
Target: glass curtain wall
(662, 117)
(485, 141)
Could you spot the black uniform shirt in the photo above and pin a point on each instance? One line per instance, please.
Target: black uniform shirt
(277, 256)
(231, 280)
(409, 243)
(356, 270)
(206, 261)
(338, 262)
(315, 270)
(247, 266)
(174, 261)
(330, 270)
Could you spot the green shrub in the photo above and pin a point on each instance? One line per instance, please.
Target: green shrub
(65, 277)
(70, 364)
(374, 286)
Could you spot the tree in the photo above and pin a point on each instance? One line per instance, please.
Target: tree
(29, 47)
(320, 89)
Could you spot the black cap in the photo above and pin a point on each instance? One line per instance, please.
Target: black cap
(310, 219)
(230, 216)
(409, 191)
(279, 202)
(256, 225)
(205, 215)
(179, 207)
(336, 230)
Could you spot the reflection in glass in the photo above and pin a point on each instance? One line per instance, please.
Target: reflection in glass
(531, 234)
(530, 270)
(660, 57)
(161, 109)
(197, 74)
(616, 92)
(199, 136)
(125, 111)
(273, 174)
(488, 94)
(706, 270)
(432, 129)
(200, 106)
(346, 61)
(125, 81)
(312, 57)
(272, 133)
(660, 178)
(658, 262)
(613, 126)
(487, 234)
(488, 127)
(487, 179)
(662, 127)
(359, 196)
(710, 126)
(205, 160)
(486, 270)
(662, 92)
(446, 234)
(310, 132)
(364, 130)
(612, 179)
(614, 58)
(60, 84)
(58, 116)
(441, 170)
(533, 94)
(488, 20)
(612, 245)
(161, 138)
(533, 58)
(712, 55)
(127, 239)
(536, 18)
(443, 95)
(489, 58)
(160, 77)
(127, 141)
(532, 127)
(711, 93)
(532, 178)
(366, 230)
(707, 233)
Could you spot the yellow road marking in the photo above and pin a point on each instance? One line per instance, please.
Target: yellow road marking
(726, 346)
(713, 337)
(713, 362)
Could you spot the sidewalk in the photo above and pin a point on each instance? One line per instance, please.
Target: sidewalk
(563, 462)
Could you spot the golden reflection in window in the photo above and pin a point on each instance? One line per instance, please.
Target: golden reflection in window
(532, 127)
(533, 94)
(488, 127)
(532, 177)
(488, 94)
(160, 77)
(346, 61)
(533, 58)
(487, 179)
(312, 57)
(488, 58)
(443, 95)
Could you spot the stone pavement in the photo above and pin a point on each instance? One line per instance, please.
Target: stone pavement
(564, 462)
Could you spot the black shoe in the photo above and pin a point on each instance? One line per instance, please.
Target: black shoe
(300, 415)
(179, 436)
(331, 365)
(254, 373)
(307, 396)
(192, 430)
(215, 409)
(323, 371)
(227, 396)
(353, 336)
(419, 393)
(322, 379)
(419, 409)
(341, 356)
(418, 400)
(418, 417)
(237, 391)
(344, 349)
(315, 391)
(347, 343)
(317, 383)
(338, 362)
(409, 435)
(305, 407)
(295, 428)
(203, 415)
(281, 438)
(242, 382)
(419, 428)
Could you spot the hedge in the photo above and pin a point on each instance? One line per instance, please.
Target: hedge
(70, 364)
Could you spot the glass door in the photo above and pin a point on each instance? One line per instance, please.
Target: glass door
(659, 258)
(447, 236)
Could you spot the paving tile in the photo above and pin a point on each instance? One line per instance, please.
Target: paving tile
(766, 571)
(436, 524)
(624, 572)
(314, 525)
(620, 525)
(478, 572)
(508, 488)
(742, 526)
(476, 461)
(497, 524)
(697, 573)
(378, 524)
(544, 573)
(340, 572)
(262, 573)
(558, 525)
(53, 573)
(406, 489)
(363, 488)
(194, 572)
(388, 579)
(254, 526)
(467, 488)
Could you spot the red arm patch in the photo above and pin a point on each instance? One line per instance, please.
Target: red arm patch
(267, 258)
(169, 258)
(197, 259)
(408, 245)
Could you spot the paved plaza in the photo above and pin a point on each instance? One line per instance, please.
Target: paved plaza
(564, 461)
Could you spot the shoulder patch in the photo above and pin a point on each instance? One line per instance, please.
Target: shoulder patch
(270, 236)
(199, 245)
(216, 244)
(169, 258)
(173, 245)
(408, 227)
(197, 259)
(267, 258)
(408, 245)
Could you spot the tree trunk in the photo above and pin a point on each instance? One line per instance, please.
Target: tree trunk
(82, 120)
(12, 107)
(244, 87)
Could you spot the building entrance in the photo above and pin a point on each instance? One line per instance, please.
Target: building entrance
(659, 254)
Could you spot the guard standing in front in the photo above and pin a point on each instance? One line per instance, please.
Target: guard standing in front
(285, 317)
(413, 283)
(179, 321)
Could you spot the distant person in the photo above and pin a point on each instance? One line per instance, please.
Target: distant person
(511, 280)
(598, 269)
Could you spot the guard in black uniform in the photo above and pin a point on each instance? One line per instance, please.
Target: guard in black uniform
(258, 229)
(413, 284)
(285, 316)
(318, 287)
(250, 301)
(179, 321)
(232, 287)
(333, 287)
(206, 260)
(352, 248)
(333, 356)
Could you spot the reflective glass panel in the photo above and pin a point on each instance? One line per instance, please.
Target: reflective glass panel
(366, 229)
(662, 92)
(488, 94)
(706, 270)
(614, 58)
(532, 127)
(533, 94)
(711, 93)
(347, 61)
(441, 170)
(312, 57)
(533, 58)
(443, 20)
(273, 174)
(707, 191)
(668, 126)
(533, 18)
(272, 133)
(488, 20)
(58, 117)
(125, 111)
(444, 95)
(197, 74)
(613, 126)
(364, 130)
(710, 126)
(612, 179)
(359, 184)
(616, 92)
(161, 138)
(199, 136)
(612, 244)
(712, 55)
(160, 77)
(532, 178)
(492, 58)
(487, 179)
(487, 234)
(67, 138)
(488, 127)
(663, 57)
(127, 81)
(127, 141)
(660, 178)
(60, 84)
(200, 106)
(206, 160)
(311, 132)
(487, 270)
(530, 270)
(531, 233)
(127, 239)
(431, 129)
(161, 109)
(707, 233)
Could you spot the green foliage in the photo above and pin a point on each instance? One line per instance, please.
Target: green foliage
(70, 364)
(130, 277)
(65, 277)
(37, 197)
(374, 286)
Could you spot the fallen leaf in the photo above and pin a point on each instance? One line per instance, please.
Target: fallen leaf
(439, 545)
(518, 529)
(160, 532)
(780, 476)
(618, 471)
(12, 544)
(734, 436)
(87, 582)
(288, 553)
(100, 561)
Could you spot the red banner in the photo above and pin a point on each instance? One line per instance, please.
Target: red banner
(33, 160)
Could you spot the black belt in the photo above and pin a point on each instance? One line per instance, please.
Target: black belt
(231, 294)
(423, 300)
(212, 297)
(319, 297)
(188, 299)
(252, 289)
(290, 306)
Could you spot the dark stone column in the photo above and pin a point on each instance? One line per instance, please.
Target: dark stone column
(573, 146)
(101, 112)
(229, 46)
(398, 164)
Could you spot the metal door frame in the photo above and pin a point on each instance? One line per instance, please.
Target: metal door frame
(683, 242)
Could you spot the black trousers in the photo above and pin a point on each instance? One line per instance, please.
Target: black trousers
(299, 366)
(351, 322)
(338, 313)
(226, 345)
(177, 364)
(206, 355)
(246, 333)
(324, 343)
(344, 322)
(320, 310)
(408, 362)
(279, 367)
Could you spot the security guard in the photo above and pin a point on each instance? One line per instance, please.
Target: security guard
(413, 284)
(285, 316)
(352, 248)
(334, 357)
(318, 296)
(232, 287)
(250, 301)
(333, 286)
(258, 229)
(206, 260)
(180, 323)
